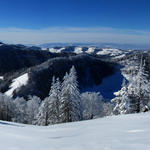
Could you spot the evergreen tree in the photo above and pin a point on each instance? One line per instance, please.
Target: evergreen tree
(32, 108)
(43, 114)
(6, 108)
(49, 109)
(121, 100)
(70, 102)
(54, 100)
(139, 90)
(20, 115)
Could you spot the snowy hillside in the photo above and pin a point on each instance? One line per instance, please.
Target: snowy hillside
(17, 83)
(126, 132)
(112, 52)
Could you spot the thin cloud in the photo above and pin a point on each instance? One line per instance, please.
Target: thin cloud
(74, 34)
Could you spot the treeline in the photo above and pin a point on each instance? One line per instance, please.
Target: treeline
(65, 103)
(134, 96)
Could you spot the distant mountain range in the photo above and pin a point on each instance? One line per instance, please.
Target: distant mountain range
(32, 68)
(101, 45)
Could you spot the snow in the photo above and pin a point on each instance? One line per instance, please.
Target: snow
(1, 78)
(124, 132)
(113, 52)
(120, 56)
(16, 83)
(44, 49)
(90, 50)
(53, 50)
(110, 51)
(78, 50)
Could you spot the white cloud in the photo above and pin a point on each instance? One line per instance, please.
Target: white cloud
(74, 34)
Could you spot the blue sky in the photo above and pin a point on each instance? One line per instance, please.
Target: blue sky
(42, 21)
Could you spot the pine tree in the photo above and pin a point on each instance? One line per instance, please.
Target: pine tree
(70, 101)
(42, 116)
(49, 109)
(20, 115)
(139, 89)
(6, 108)
(121, 100)
(32, 108)
(54, 98)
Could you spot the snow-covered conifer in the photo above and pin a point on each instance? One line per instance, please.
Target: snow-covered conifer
(70, 101)
(54, 98)
(42, 116)
(49, 109)
(139, 90)
(6, 108)
(121, 101)
(32, 108)
(20, 105)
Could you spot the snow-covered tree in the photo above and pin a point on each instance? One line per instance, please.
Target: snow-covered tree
(70, 101)
(32, 108)
(6, 108)
(92, 105)
(20, 115)
(107, 109)
(49, 109)
(54, 98)
(121, 101)
(42, 116)
(139, 90)
(135, 97)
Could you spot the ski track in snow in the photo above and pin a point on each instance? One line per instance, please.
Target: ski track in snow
(124, 132)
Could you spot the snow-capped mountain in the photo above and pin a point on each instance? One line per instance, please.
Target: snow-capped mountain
(94, 68)
(111, 52)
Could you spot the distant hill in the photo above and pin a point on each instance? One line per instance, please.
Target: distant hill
(32, 69)
(90, 70)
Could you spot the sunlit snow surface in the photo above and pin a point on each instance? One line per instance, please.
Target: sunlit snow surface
(126, 132)
(1, 77)
(104, 51)
(16, 83)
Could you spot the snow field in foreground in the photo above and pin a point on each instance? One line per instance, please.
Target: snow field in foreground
(126, 132)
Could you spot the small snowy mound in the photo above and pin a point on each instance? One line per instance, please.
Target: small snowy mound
(17, 83)
(126, 132)
(90, 50)
(54, 50)
(78, 50)
(110, 51)
(1, 78)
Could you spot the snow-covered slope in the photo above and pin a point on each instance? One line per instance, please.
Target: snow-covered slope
(112, 52)
(126, 132)
(90, 50)
(53, 50)
(78, 50)
(17, 83)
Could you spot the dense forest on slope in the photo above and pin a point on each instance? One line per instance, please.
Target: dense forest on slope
(90, 71)
(16, 57)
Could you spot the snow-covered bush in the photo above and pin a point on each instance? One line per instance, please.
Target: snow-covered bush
(92, 105)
